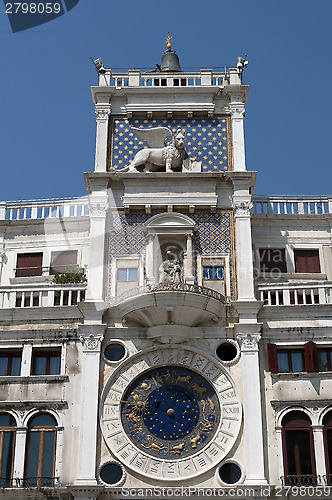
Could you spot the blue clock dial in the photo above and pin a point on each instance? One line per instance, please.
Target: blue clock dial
(170, 412)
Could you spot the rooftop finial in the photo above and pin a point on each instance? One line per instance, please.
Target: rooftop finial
(168, 40)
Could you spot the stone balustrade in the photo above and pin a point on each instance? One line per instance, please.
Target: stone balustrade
(141, 78)
(295, 294)
(288, 205)
(37, 295)
(44, 209)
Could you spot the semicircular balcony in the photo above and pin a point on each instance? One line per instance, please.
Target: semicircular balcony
(172, 304)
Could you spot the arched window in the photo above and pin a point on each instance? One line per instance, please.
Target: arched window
(7, 443)
(40, 453)
(327, 431)
(298, 449)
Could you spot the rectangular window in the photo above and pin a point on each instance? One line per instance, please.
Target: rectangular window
(128, 274)
(29, 264)
(307, 261)
(213, 273)
(324, 360)
(272, 260)
(46, 361)
(290, 360)
(10, 362)
(62, 262)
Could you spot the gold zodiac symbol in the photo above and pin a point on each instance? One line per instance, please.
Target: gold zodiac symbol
(135, 419)
(145, 385)
(194, 440)
(185, 380)
(211, 403)
(168, 376)
(159, 379)
(206, 425)
(198, 389)
(178, 448)
(154, 445)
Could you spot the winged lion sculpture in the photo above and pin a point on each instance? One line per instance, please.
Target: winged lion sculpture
(158, 155)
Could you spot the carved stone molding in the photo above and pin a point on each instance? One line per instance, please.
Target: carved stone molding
(249, 341)
(242, 208)
(237, 110)
(91, 342)
(102, 113)
(98, 209)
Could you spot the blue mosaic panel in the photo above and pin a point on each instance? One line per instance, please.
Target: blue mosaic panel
(214, 234)
(207, 140)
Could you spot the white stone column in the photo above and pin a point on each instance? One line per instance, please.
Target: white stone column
(237, 113)
(103, 111)
(19, 457)
(190, 278)
(98, 208)
(26, 360)
(280, 453)
(244, 255)
(319, 450)
(91, 338)
(253, 426)
(150, 259)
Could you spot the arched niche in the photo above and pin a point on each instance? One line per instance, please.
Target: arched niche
(169, 232)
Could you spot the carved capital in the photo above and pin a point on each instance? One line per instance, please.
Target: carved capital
(249, 341)
(237, 110)
(91, 343)
(98, 209)
(242, 208)
(102, 113)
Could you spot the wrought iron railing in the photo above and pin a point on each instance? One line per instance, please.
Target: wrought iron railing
(30, 482)
(301, 480)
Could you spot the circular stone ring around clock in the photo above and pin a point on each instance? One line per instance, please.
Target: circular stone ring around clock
(170, 413)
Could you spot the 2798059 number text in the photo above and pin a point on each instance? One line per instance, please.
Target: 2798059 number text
(33, 8)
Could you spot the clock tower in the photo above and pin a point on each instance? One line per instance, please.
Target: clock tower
(170, 370)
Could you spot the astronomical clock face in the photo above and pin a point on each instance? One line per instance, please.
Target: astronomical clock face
(170, 413)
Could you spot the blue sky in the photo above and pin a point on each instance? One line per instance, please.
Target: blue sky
(47, 116)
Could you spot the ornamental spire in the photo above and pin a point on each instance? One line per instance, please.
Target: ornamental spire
(168, 40)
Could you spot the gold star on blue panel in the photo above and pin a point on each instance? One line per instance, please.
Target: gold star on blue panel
(200, 134)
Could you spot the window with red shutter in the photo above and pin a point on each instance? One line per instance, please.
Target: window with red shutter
(272, 354)
(29, 264)
(310, 357)
(298, 450)
(62, 262)
(272, 260)
(307, 261)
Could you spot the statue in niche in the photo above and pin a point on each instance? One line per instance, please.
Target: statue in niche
(158, 156)
(171, 269)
